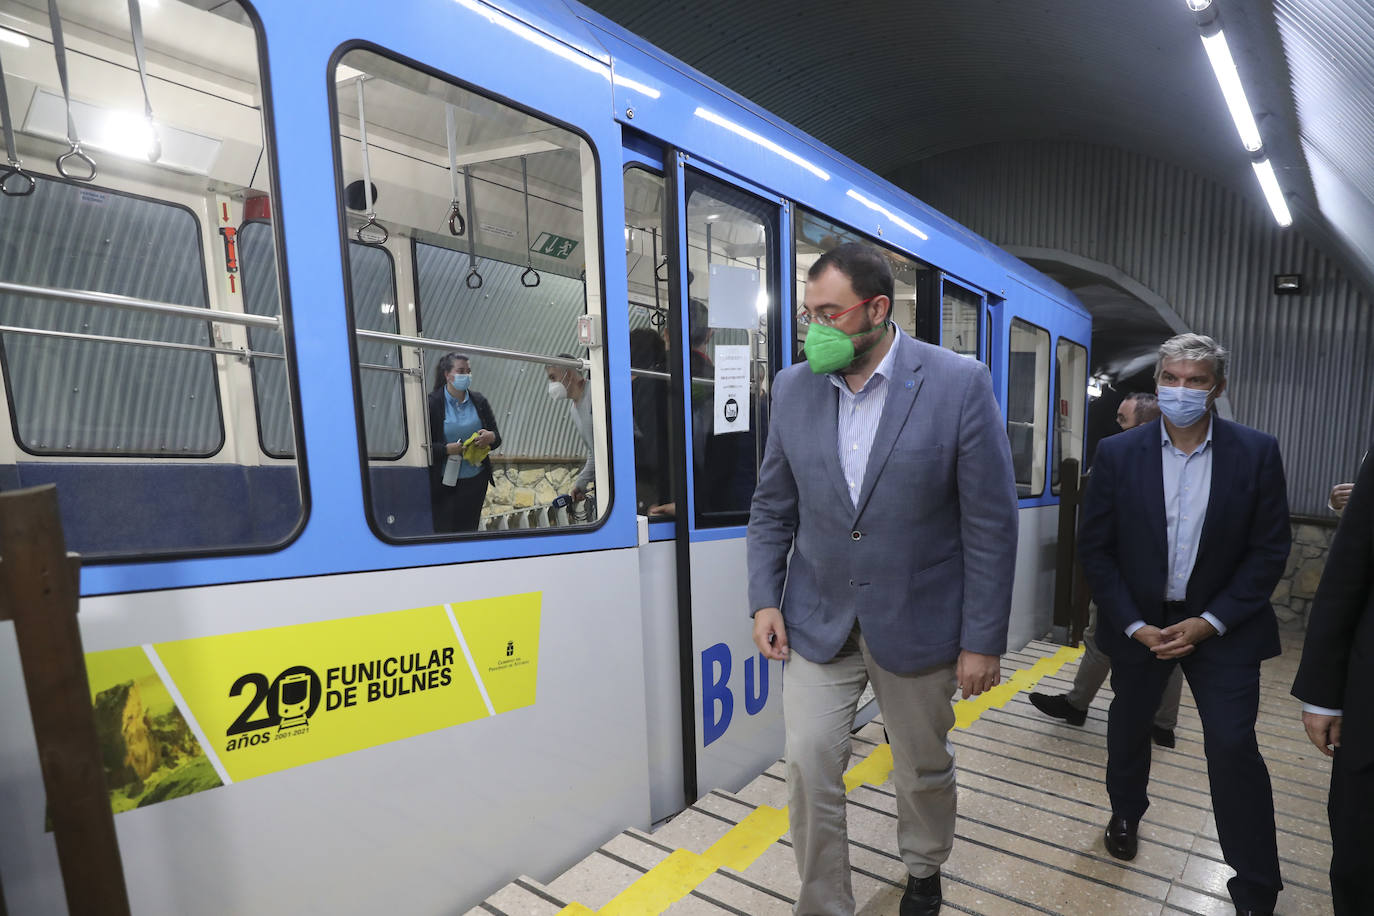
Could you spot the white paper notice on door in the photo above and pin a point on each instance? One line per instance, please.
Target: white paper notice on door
(734, 301)
(732, 388)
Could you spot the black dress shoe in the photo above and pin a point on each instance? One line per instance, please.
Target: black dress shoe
(1164, 737)
(922, 896)
(1056, 706)
(1120, 837)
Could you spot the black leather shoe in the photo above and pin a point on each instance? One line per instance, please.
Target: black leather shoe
(1164, 737)
(1056, 706)
(922, 897)
(1120, 837)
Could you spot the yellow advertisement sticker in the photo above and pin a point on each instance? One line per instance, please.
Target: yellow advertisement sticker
(504, 641)
(269, 700)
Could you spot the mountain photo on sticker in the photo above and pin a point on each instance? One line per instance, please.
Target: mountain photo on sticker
(147, 749)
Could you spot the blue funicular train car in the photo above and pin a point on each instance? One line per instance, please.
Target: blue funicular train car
(252, 236)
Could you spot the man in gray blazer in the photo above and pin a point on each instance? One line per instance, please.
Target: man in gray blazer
(888, 479)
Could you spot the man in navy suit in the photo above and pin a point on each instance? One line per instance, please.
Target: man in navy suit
(887, 506)
(1336, 684)
(1184, 537)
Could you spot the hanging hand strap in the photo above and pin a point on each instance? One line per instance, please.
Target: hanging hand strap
(16, 168)
(474, 279)
(136, 27)
(368, 231)
(60, 50)
(530, 278)
(456, 224)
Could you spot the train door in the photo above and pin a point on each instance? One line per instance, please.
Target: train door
(703, 270)
(724, 347)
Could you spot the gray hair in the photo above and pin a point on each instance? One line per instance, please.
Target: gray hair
(1196, 347)
(1146, 407)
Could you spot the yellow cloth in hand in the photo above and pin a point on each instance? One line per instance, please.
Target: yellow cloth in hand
(473, 453)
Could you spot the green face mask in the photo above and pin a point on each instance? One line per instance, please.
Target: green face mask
(828, 349)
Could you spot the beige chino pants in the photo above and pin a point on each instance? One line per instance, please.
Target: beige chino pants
(819, 705)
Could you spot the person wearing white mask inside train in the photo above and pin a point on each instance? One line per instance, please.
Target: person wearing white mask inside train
(568, 384)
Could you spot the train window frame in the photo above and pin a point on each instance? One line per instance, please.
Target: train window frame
(1039, 424)
(769, 213)
(206, 297)
(599, 384)
(977, 303)
(269, 161)
(925, 273)
(1076, 408)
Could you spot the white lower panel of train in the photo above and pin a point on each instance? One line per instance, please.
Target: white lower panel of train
(430, 823)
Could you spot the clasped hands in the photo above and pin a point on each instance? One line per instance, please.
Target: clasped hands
(1175, 640)
(975, 672)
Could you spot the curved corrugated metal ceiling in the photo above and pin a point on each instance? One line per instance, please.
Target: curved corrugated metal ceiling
(891, 82)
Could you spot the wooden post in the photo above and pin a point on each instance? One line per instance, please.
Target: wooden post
(39, 591)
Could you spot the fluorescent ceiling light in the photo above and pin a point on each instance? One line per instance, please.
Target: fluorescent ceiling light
(343, 73)
(1198, 6)
(1264, 171)
(636, 85)
(1225, 68)
(742, 131)
(124, 133)
(13, 38)
(874, 205)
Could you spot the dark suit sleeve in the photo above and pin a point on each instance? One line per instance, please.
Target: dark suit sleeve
(1346, 594)
(1268, 540)
(1098, 547)
(988, 520)
(773, 518)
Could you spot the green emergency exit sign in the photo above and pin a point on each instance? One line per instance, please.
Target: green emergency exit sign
(555, 246)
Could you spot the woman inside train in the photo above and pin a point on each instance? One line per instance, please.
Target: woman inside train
(462, 432)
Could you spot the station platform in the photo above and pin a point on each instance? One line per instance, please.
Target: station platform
(1032, 809)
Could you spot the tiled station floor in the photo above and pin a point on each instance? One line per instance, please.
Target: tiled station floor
(1032, 808)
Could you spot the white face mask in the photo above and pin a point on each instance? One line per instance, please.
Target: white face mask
(557, 391)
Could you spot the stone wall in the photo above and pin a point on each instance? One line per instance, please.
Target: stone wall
(1306, 560)
(524, 483)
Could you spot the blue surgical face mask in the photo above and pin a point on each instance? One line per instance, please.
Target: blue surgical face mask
(460, 382)
(1182, 406)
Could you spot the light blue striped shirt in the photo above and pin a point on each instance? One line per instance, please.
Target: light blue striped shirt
(1187, 489)
(859, 414)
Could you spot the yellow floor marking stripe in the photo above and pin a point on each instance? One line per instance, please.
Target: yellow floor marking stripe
(662, 886)
(680, 874)
(966, 712)
(749, 839)
(873, 770)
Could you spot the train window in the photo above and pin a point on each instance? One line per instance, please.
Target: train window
(731, 264)
(138, 409)
(1071, 387)
(492, 203)
(959, 309)
(84, 395)
(1028, 394)
(814, 235)
(647, 278)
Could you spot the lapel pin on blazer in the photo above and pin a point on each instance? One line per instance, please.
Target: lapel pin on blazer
(910, 383)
